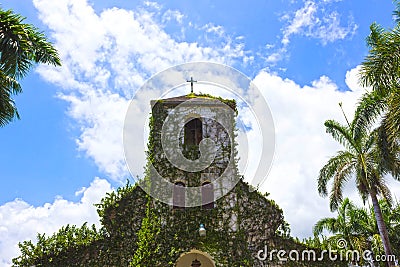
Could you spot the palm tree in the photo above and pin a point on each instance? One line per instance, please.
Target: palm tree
(357, 226)
(21, 46)
(394, 229)
(348, 226)
(391, 216)
(361, 159)
(380, 71)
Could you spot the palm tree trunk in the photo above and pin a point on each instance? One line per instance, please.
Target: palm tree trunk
(382, 228)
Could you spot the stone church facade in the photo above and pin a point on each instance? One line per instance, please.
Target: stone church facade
(191, 209)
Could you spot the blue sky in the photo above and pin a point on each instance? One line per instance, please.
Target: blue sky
(66, 151)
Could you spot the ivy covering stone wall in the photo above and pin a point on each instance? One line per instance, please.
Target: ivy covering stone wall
(132, 222)
(138, 230)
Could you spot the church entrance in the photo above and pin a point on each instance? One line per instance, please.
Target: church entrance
(195, 258)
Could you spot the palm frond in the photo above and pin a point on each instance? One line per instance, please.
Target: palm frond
(9, 84)
(380, 66)
(341, 133)
(328, 171)
(392, 125)
(396, 12)
(384, 191)
(8, 110)
(42, 50)
(342, 175)
(22, 45)
(386, 154)
(361, 223)
(369, 108)
(362, 186)
(328, 224)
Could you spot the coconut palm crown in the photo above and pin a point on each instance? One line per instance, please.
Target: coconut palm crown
(21, 46)
(361, 159)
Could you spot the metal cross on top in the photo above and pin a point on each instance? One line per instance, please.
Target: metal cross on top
(191, 81)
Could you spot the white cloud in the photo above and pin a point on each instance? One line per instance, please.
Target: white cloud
(303, 18)
(102, 114)
(106, 58)
(352, 79)
(152, 4)
(313, 20)
(211, 28)
(173, 15)
(21, 221)
(302, 146)
(331, 30)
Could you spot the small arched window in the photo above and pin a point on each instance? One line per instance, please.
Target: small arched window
(178, 200)
(193, 132)
(207, 195)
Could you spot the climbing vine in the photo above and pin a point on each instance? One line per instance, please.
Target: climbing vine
(146, 241)
(138, 230)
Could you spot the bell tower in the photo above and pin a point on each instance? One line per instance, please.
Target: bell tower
(192, 139)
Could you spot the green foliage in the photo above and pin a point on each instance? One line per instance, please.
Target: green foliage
(50, 250)
(380, 71)
(21, 46)
(146, 244)
(230, 102)
(349, 226)
(138, 230)
(362, 160)
(358, 227)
